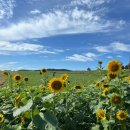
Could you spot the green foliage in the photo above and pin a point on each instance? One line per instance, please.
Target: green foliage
(72, 109)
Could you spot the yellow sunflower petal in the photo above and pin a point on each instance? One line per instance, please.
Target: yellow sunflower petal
(114, 67)
(56, 85)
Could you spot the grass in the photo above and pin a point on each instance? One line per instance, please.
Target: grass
(75, 77)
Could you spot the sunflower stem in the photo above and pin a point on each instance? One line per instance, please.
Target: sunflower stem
(123, 126)
(67, 101)
(10, 82)
(32, 114)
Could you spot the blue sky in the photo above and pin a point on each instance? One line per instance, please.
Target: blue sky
(70, 34)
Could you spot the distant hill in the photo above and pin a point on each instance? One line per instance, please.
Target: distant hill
(47, 69)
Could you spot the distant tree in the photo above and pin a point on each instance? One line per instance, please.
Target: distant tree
(127, 66)
(88, 69)
(123, 67)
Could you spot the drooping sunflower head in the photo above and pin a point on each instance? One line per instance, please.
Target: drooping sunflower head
(116, 99)
(105, 92)
(17, 77)
(43, 71)
(23, 120)
(25, 79)
(64, 77)
(97, 84)
(43, 88)
(114, 67)
(111, 76)
(5, 73)
(17, 100)
(121, 115)
(100, 114)
(1, 118)
(104, 85)
(27, 114)
(99, 62)
(78, 87)
(17, 83)
(56, 85)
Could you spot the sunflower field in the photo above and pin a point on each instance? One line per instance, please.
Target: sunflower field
(62, 102)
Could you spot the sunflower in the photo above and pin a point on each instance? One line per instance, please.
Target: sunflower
(78, 87)
(116, 99)
(127, 79)
(114, 67)
(17, 100)
(121, 115)
(17, 83)
(27, 114)
(104, 92)
(25, 79)
(17, 77)
(105, 85)
(100, 114)
(111, 76)
(43, 88)
(23, 120)
(97, 84)
(5, 73)
(56, 85)
(1, 118)
(64, 77)
(43, 71)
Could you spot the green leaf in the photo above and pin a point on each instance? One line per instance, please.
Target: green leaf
(51, 127)
(47, 97)
(96, 127)
(23, 109)
(8, 128)
(112, 121)
(105, 124)
(128, 102)
(39, 121)
(35, 112)
(50, 118)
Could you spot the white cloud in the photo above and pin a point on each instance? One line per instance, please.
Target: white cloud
(36, 11)
(59, 22)
(113, 47)
(119, 56)
(89, 3)
(103, 49)
(109, 57)
(6, 8)
(117, 46)
(90, 55)
(10, 48)
(8, 65)
(83, 58)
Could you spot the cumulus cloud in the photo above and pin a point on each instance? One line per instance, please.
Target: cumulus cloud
(115, 46)
(36, 11)
(119, 56)
(8, 65)
(9, 48)
(82, 58)
(59, 22)
(109, 57)
(89, 3)
(6, 8)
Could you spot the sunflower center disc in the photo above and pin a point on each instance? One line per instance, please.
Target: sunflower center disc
(114, 68)
(57, 85)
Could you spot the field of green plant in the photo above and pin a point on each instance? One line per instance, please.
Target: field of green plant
(76, 77)
(73, 100)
